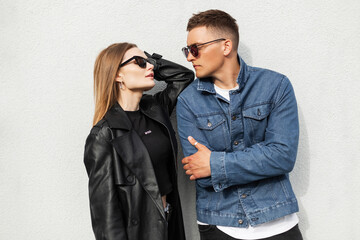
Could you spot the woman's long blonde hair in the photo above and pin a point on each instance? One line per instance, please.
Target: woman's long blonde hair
(106, 91)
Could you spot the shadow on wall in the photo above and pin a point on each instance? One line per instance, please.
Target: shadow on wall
(245, 53)
(300, 176)
(187, 192)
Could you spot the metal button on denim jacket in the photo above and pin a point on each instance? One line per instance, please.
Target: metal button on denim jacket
(253, 139)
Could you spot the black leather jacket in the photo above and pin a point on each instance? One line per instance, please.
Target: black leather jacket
(125, 201)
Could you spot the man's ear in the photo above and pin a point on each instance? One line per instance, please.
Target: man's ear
(228, 45)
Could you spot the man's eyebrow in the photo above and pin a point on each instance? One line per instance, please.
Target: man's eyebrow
(196, 43)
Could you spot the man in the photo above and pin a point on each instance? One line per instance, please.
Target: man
(238, 127)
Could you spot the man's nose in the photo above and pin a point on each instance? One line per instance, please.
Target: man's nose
(190, 57)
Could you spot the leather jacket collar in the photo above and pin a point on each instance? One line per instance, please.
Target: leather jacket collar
(117, 117)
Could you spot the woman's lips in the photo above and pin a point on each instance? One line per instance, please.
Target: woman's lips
(151, 75)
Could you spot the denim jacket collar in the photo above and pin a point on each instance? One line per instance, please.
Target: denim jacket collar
(207, 85)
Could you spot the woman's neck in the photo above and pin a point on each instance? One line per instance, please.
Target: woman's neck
(129, 101)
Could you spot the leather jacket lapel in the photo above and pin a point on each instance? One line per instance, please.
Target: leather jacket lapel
(117, 118)
(135, 155)
(156, 113)
(132, 150)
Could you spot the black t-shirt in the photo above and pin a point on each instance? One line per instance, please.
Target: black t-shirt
(157, 142)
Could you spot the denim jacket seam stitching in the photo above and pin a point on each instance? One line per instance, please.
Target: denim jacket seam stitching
(257, 104)
(180, 99)
(287, 195)
(213, 126)
(223, 167)
(276, 99)
(210, 114)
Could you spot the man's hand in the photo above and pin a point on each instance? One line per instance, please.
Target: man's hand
(198, 164)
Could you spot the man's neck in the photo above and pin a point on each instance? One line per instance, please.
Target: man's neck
(226, 77)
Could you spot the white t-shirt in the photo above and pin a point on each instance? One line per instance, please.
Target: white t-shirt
(264, 230)
(224, 92)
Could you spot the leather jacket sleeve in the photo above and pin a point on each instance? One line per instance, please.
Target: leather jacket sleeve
(106, 216)
(175, 75)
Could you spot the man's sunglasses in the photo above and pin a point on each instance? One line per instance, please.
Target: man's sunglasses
(194, 48)
(138, 60)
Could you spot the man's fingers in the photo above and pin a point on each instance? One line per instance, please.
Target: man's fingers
(185, 160)
(186, 167)
(194, 142)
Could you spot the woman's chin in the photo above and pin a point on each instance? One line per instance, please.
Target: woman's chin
(147, 88)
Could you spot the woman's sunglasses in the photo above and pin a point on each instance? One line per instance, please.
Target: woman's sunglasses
(194, 48)
(138, 60)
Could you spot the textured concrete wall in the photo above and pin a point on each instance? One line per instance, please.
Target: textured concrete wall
(47, 53)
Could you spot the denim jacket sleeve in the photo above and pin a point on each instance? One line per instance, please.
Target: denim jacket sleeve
(186, 127)
(175, 75)
(274, 156)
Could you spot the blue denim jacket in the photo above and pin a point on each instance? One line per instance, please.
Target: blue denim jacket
(253, 139)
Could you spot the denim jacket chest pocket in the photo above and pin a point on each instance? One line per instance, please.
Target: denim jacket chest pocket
(214, 129)
(255, 120)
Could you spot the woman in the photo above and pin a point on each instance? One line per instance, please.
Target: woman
(130, 153)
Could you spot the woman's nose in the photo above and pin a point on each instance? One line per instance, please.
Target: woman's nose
(150, 66)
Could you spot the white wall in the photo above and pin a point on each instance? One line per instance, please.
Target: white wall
(47, 53)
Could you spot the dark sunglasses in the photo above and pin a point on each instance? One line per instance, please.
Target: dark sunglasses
(194, 48)
(138, 60)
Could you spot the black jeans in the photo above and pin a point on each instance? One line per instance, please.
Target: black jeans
(211, 232)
